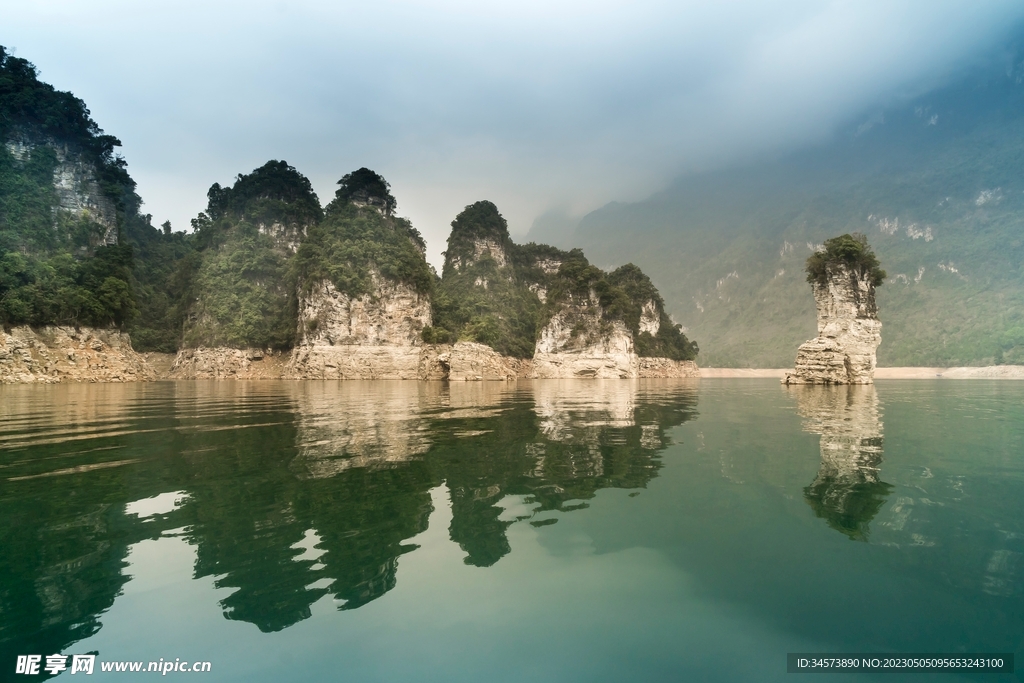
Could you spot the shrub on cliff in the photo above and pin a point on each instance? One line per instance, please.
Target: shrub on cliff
(850, 251)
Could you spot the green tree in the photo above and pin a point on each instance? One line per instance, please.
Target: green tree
(850, 251)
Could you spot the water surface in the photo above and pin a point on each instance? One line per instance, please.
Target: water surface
(553, 530)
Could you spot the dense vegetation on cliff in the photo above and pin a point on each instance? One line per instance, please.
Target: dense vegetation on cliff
(240, 282)
(501, 294)
(359, 239)
(80, 252)
(481, 296)
(56, 265)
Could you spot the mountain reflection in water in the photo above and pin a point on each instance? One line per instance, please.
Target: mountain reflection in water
(293, 491)
(847, 493)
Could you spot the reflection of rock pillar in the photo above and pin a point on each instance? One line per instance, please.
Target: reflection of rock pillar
(847, 493)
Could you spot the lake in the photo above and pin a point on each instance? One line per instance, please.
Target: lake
(601, 530)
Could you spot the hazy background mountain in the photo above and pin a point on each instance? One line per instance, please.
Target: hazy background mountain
(934, 182)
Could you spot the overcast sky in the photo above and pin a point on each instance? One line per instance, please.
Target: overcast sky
(534, 104)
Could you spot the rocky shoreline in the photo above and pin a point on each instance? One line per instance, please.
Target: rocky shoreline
(54, 355)
(63, 354)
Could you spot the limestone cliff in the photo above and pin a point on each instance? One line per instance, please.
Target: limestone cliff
(56, 354)
(228, 363)
(376, 335)
(364, 291)
(77, 191)
(578, 342)
(849, 331)
(552, 307)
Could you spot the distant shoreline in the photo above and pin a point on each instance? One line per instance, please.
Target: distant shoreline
(989, 372)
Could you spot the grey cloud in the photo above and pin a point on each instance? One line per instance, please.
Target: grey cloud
(535, 105)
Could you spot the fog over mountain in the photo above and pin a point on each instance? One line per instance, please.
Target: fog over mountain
(549, 109)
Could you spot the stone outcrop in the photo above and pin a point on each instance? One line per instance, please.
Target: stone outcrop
(372, 336)
(849, 332)
(472, 361)
(578, 343)
(225, 363)
(666, 368)
(64, 354)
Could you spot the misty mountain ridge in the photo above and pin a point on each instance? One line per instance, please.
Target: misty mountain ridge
(934, 183)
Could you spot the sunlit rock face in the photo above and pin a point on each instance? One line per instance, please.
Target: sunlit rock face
(65, 354)
(848, 491)
(372, 336)
(226, 363)
(666, 368)
(849, 332)
(472, 361)
(578, 343)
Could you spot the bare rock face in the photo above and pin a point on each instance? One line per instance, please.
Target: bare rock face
(484, 247)
(225, 363)
(849, 333)
(578, 343)
(373, 336)
(472, 361)
(666, 368)
(64, 354)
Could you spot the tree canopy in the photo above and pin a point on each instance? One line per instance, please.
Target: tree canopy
(851, 251)
(273, 192)
(366, 187)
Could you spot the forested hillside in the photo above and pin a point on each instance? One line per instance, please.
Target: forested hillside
(74, 248)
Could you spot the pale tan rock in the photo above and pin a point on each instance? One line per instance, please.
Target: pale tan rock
(666, 368)
(225, 363)
(391, 314)
(55, 354)
(373, 336)
(434, 360)
(578, 343)
(475, 362)
(849, 333)
(350, 361)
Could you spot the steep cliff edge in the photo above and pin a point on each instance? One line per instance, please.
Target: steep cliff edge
(843, 277)
(364, 289)
(65, 200)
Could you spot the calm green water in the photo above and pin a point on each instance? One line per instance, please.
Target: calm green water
(553, 531)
